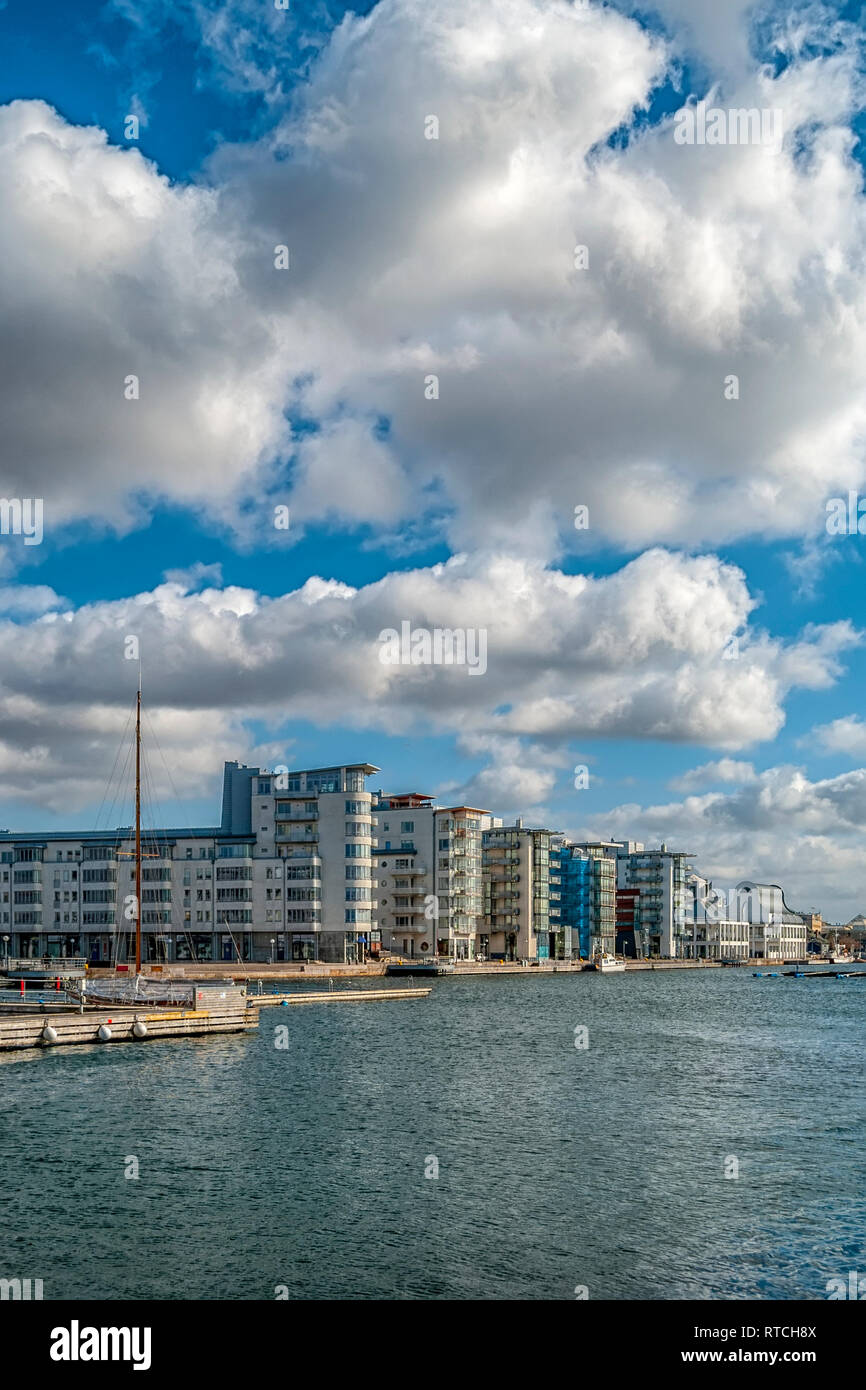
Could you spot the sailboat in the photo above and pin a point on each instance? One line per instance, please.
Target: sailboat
(138, 989)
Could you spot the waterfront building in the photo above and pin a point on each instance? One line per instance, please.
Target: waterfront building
(751, 921)
(287, 875)
(587, 887)
(517, 921)
(627, 941)
(775, 931)
(708, 928)
(659, 876)
(428, 875)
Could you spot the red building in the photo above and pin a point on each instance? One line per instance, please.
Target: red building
(626, 913)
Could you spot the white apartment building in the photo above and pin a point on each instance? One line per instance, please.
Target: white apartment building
(428, 882)
(660, 877)
(287, 875)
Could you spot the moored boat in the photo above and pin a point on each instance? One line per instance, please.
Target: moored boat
(607, 964)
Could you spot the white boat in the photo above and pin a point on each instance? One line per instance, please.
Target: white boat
(608, 965)
(840, 958)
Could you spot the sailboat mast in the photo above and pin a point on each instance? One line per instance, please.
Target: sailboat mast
(138, 831)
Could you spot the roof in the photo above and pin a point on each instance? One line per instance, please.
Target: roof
(121, 832)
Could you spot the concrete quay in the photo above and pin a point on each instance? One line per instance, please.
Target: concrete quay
(320, 970)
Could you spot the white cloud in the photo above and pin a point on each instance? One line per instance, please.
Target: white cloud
(778, 828)
(729, 770)
(28, 599)
(108, 270)
(517, 780)
(195, 576)
(846, 735)
(637, 654)
(455, 257)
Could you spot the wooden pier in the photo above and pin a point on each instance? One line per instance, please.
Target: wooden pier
(210, 1010)
(336, 996)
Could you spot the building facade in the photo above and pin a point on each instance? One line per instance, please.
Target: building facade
(660, 877)
(587, 887)
(751, 921)
(517, 920)
(287, 875)
(428, 873)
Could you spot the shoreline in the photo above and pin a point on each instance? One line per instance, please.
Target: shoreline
(323, 971)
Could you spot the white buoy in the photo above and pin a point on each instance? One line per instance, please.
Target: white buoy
(139, 1028)
(104, 1033)
(49, 1034)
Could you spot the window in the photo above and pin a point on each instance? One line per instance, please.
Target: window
(407, 827)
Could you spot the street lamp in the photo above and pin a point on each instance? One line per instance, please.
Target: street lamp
(6, 950)
(273, 943)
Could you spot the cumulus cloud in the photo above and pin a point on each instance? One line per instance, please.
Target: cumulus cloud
(638, 654)
(846, 735)
(561, 386)
(453, 257)
(107, 270)
(28, 599)
(708, 774)
(518, 778)
(780, 827)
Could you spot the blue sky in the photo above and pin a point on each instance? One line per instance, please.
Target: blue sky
(707, 517)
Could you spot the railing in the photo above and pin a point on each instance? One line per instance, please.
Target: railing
(61, 963)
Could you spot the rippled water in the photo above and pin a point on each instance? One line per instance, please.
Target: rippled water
(557, 1167)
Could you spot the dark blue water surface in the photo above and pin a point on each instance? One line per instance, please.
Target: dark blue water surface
(558, 1167)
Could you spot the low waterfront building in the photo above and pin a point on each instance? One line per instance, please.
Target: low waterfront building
(706, 931)
(775, 931)
(287, 875)
(517, 921)
(751, 921)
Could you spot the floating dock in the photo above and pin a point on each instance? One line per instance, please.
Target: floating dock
(826, 974)
(212, 1010)
(421, 967)
(336, 996)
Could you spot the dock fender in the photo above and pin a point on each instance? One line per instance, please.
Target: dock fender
(139, 1028)
(104, 1034)
(49, 1034)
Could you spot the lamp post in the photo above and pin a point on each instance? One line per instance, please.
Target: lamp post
(273, 943)
(6, 950)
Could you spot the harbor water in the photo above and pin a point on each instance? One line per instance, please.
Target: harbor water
(303, 1163)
